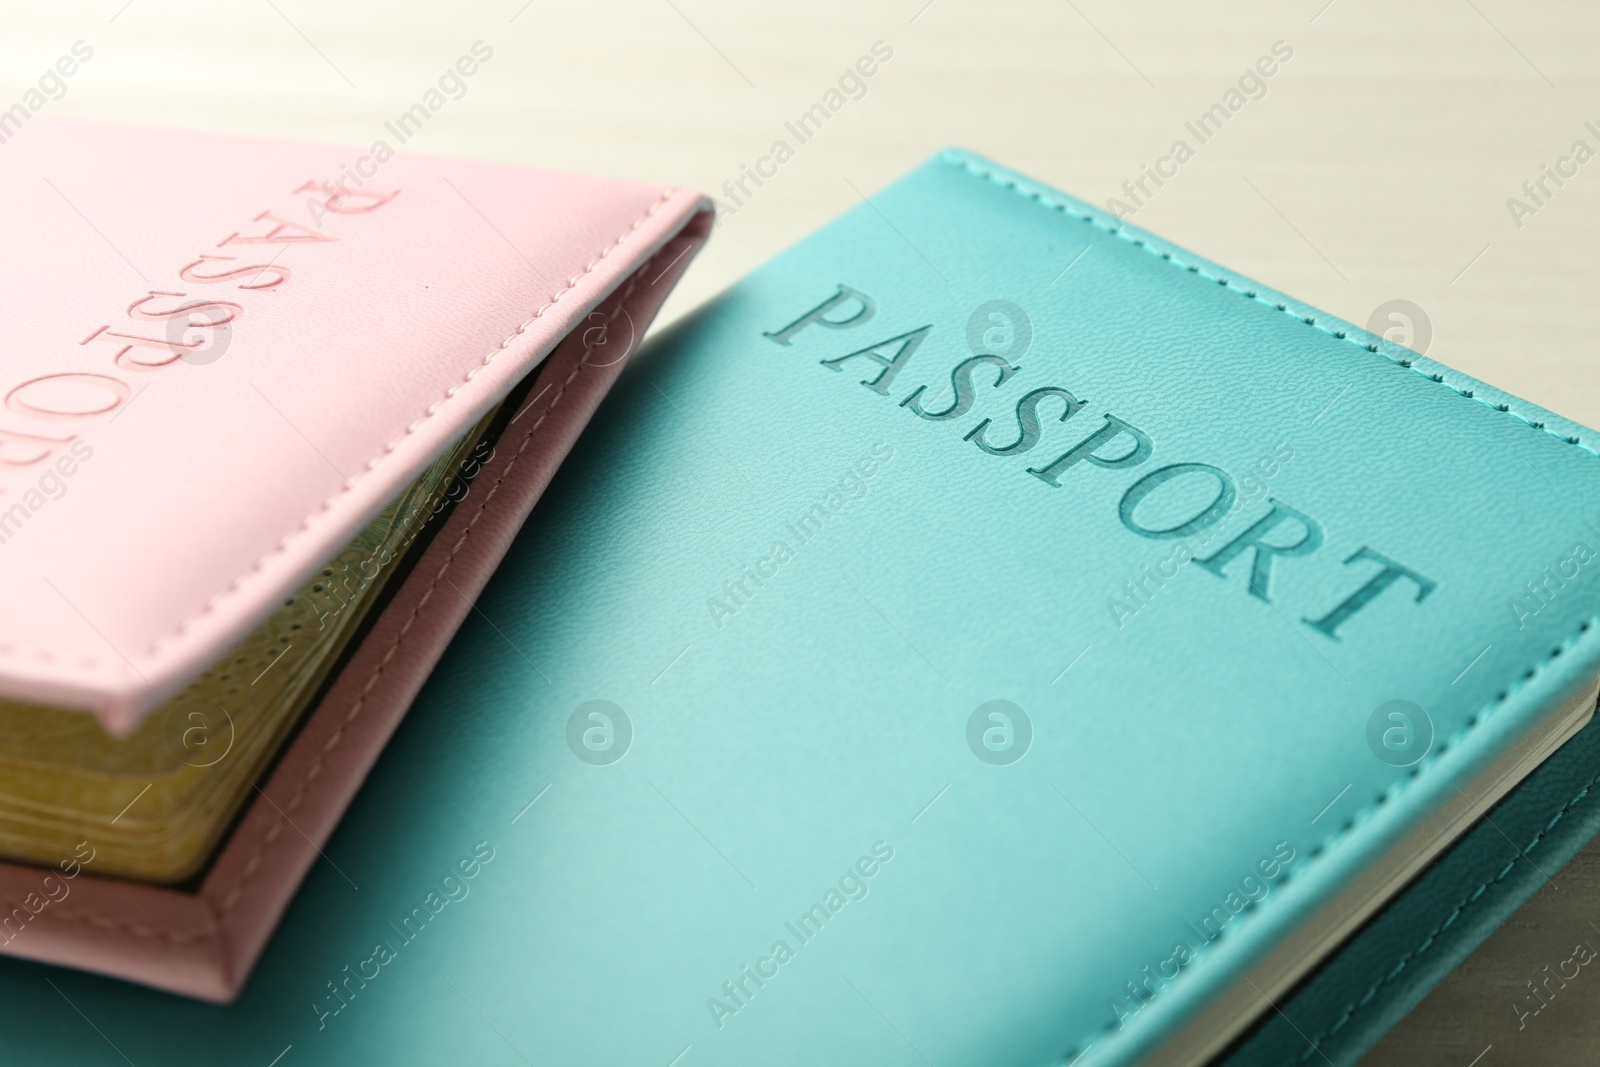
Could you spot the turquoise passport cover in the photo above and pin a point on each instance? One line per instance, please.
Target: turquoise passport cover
(977, 637)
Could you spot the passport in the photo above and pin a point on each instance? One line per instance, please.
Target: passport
(269, 414)
(985, 634)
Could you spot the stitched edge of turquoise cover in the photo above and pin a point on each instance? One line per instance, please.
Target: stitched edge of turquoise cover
(1343, 1009)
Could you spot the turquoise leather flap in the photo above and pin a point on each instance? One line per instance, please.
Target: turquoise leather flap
(975, 638)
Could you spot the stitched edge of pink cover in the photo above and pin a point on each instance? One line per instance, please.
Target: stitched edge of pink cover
(205, 944)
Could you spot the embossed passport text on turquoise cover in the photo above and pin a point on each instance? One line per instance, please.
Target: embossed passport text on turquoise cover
(978, 637)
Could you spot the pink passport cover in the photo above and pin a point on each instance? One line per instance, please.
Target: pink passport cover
(380, 326)
(244, 365)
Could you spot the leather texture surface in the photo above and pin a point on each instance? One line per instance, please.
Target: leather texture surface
(1430, 928)
(298, 353)
(204, 942)
(803, 771)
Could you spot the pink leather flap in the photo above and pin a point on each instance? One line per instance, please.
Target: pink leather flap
(223, 355)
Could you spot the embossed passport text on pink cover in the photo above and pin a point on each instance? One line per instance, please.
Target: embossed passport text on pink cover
(261, 343)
